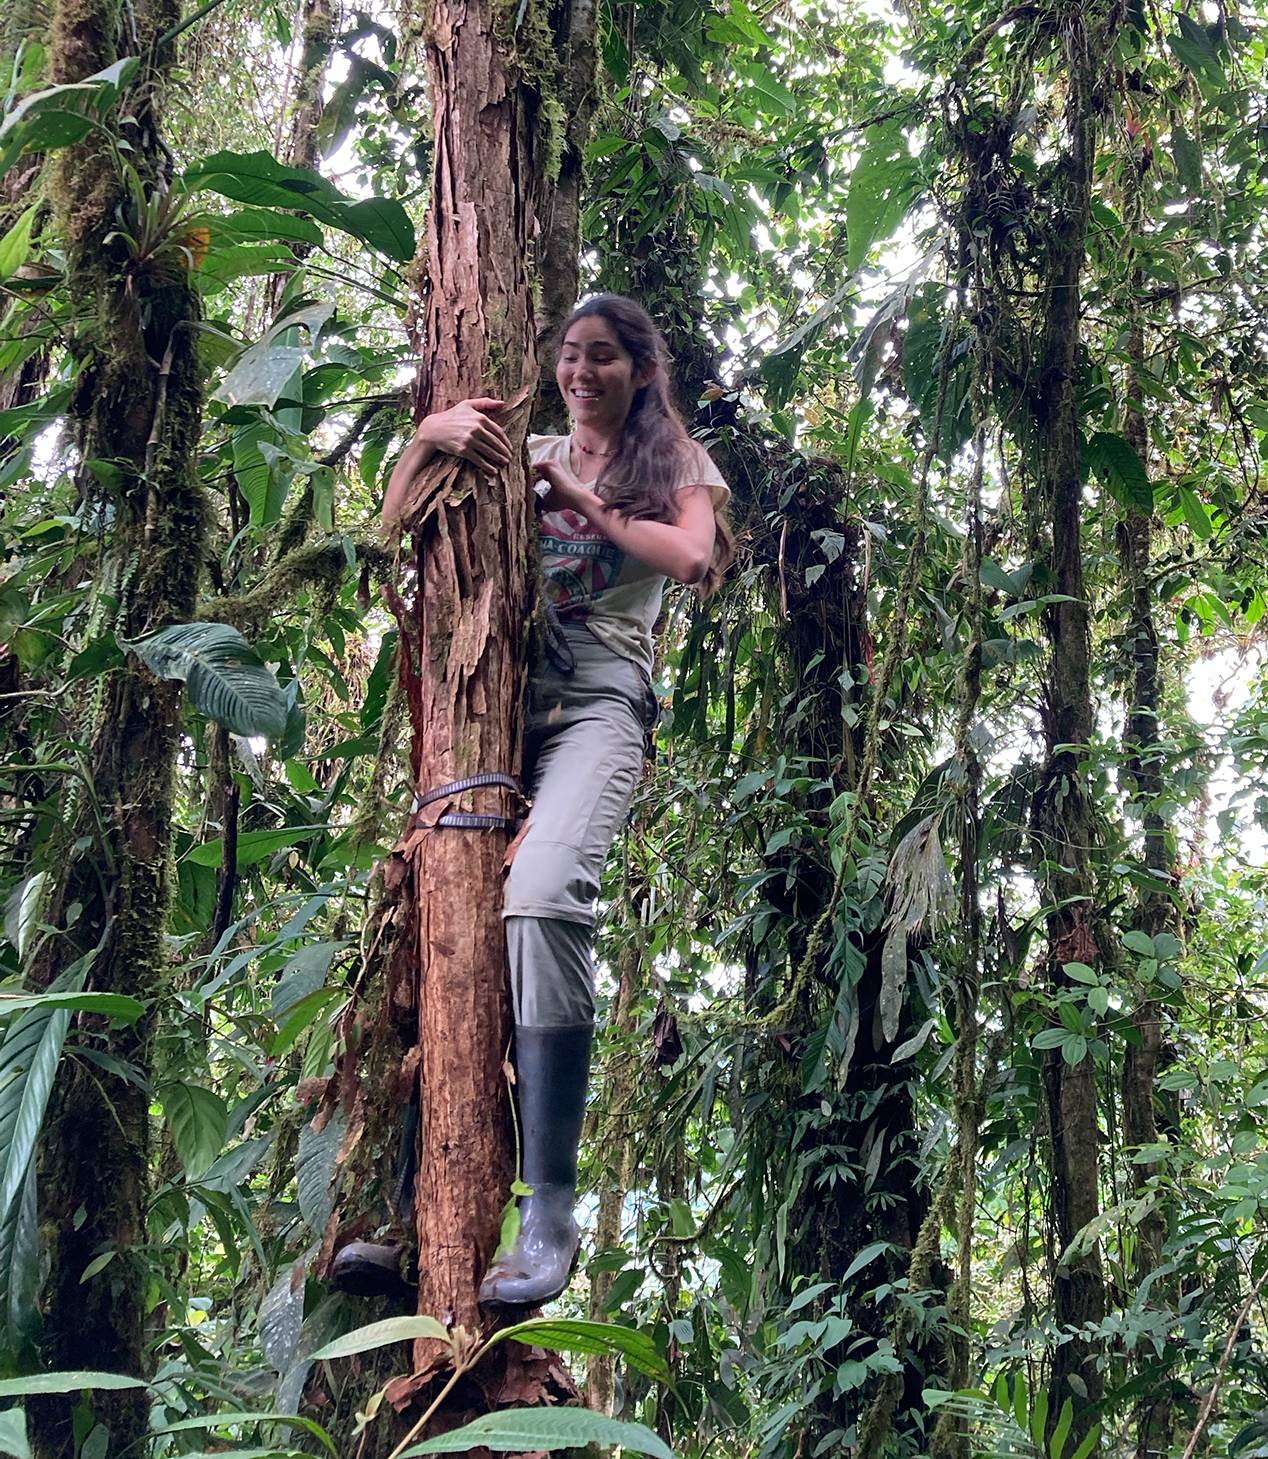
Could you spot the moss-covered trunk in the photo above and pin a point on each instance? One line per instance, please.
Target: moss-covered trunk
(559, 259)
(1156, 913)
(138, 404)
(1063, 820)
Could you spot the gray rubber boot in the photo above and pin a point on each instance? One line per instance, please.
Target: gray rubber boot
(552, 1071)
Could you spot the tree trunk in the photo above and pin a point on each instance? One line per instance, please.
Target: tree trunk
(308, 102)
(139, 407)
(559, 260)
(443, 1014)
(615, 1154)
(466, 664)
(1063, 822)
(1154, 1413)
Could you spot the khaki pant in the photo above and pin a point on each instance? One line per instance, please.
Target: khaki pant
(583, 756)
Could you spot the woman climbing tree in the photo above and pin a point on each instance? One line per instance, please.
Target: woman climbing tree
(627, 501)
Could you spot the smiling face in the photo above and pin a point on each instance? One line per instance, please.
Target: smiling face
(597, 375)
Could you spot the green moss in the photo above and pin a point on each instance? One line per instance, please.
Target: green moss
(524, 28)
(318, 567)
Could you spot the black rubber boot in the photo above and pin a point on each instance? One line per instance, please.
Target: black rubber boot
(376, 1268)
(371, 1269)
(552, 1071)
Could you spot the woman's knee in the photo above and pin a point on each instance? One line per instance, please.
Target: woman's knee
(547, 877)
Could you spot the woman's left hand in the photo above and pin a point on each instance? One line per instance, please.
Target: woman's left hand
(564, 494)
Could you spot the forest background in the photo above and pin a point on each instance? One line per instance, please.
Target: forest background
(929, 1116)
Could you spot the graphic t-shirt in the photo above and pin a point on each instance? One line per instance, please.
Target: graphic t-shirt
(589, 579)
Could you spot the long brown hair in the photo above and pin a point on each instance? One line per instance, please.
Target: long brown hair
(640, 480)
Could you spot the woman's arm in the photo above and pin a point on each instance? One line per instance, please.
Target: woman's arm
(681, 549)
(463, 430)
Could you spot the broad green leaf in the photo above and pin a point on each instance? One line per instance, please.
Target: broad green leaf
(260, 374)
(199, 1122)
(884, 184)
(381, 1335)
(1188, 159)
(59, 116)
(1074, 1048)
(524, 1429)
(1114, 460)
(384, 224)
(1141, 942)
(1050, 1038)
(776, 99)
(251, 469)
(13, 1439)
(260, 179)
(575, 1335)
(1195, 48)
(265, 225)
(226, 679)
(1080, 972)
(66, 1382)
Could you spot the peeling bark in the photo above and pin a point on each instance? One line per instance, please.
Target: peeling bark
(440, 1026)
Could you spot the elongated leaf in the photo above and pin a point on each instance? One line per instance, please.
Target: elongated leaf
(253, 846)
(883, 185)
(864, 1258)
(246, 1454)
(13, 1434)
(66, 1382)
(579, 1336)
(226, 678)
(382, 1335)
(117, 1005)
(281, 1318)
(265, 225)
(225, 1420)
(199, 1122)
(383, 224)
(315, 1163)
(22, 911)
(20, 1277)
(545, 1428)
(28, 1063)
(1115, 462)
(260, 374)
(15, 246)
